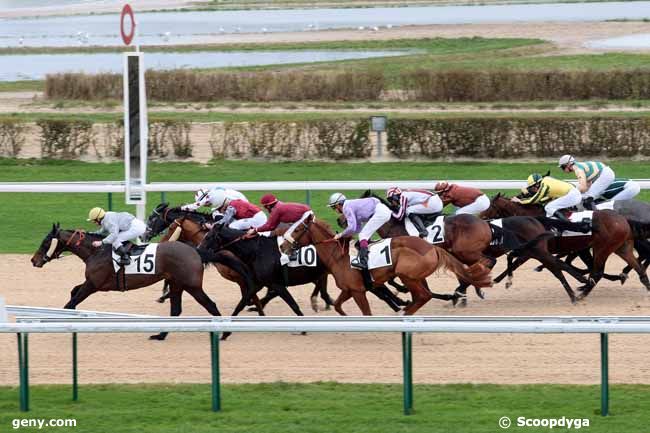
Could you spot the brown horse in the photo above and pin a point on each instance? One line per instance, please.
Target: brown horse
(178, 263)
(611, 234)
(412, 260)
(525, 235)
(189, 227)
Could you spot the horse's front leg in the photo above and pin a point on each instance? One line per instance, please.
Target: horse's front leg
(78, 294)
(176, 307)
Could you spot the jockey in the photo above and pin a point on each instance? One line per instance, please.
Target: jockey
(561, 194)
(467, 200)
(364, 216)
(412, 203)
(205, 197)
(280, 212)
(237, 214)
(120, 227)
(621, 189)
(593, 178)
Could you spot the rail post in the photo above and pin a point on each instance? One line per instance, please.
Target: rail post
(308, 198)
(604, 374)
(216, 391)
(407, 363)
(162, 196)
(75, 384)
(110, 201)
(23, 371)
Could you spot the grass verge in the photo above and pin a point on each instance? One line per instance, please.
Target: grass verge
(30, 215)
(326, 407)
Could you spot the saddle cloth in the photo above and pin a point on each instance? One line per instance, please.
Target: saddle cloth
(142, 262)
(379, 254)
(435, 230)
(307, 255)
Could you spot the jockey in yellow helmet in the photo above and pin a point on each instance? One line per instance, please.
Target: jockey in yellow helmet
(554, 194)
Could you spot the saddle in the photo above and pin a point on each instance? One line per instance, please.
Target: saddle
(133, 249)
(429, 218)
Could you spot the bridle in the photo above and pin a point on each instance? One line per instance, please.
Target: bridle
(307, 225)
(52, 253)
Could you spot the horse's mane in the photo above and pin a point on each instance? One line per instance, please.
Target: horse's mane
(196, 216)
(322, 224)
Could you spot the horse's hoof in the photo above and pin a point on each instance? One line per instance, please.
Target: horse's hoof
(480, 293)
(157, 337)
(225, 336)
(508, 284)
(623, 276)
(314, 304)
(161, 300)
(328, 307)
(461, 302)
(539, 269)
(253, 309)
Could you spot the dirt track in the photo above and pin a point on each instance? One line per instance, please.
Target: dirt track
(340, 357)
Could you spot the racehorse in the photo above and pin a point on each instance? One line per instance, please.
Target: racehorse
(519, 234)
(411, 259)
(189, 226)
(262, 256)
(176, 262)
(611, 234)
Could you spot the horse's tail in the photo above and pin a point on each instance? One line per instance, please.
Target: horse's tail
(477, 274)
(552, 223)
(640, 230)
(226, 258)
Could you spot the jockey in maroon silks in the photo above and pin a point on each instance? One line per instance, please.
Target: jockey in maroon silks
(280, 212)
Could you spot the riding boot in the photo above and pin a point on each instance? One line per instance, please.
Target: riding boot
(293, 254)
(419, 225)
(588, 203)
(560, 215)
(362, 259)
(125, 260)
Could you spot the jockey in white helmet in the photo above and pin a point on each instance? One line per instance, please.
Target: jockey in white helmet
(207, 197)
(364, 216)
(412, 203)
(594, 178)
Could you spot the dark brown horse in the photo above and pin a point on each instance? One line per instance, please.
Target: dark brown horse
(611, 234)
(176, 262)
(189, 227)
(412, 260)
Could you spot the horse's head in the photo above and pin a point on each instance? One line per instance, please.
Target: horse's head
(308, 232)
(500, 207)
(156, 222)
(50, 248)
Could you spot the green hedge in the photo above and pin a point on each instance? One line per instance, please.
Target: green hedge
(324, 139)
(507, 85)
(181, 85)
(12, 138)
(519, 137)
(422, 85)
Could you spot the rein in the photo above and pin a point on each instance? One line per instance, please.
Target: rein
(82, 236)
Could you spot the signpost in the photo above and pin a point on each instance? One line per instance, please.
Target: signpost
(378, 125)
(135, 118)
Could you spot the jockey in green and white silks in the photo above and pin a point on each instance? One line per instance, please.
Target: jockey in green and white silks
(621, 189)
(594, 177)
